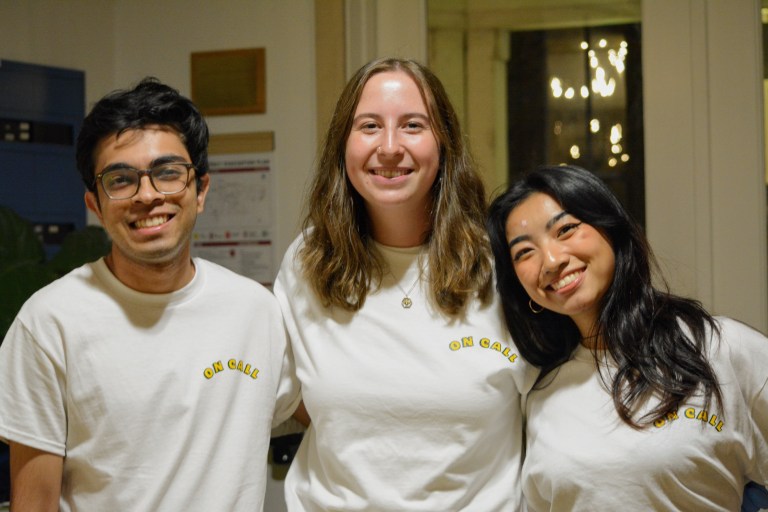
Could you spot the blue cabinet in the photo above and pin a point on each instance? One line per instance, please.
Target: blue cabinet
(41, 110)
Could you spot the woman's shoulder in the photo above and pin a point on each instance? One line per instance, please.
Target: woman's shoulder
(290, 272)
(291, 255)
(732, 329)
(743, 344)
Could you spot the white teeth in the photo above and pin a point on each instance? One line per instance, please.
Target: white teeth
(151, 221)
(391, 173)
(566, 280)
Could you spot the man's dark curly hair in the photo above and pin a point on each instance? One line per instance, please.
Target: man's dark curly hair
(149, 103)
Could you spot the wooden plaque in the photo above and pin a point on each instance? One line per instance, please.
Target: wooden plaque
(229, 82)
(251, 142)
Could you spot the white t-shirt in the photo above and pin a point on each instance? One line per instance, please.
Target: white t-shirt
(581, 457)
(157, 402)
(410, 410)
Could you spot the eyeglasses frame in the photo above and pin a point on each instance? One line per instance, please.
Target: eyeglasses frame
(145, 172)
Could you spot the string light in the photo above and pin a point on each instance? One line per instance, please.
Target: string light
(616, 135)
(557, 87)
(601, 84)
(575, 152)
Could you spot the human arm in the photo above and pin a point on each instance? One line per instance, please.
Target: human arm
(755, 496)
(35, 479)
(301, 415)
(285, 281)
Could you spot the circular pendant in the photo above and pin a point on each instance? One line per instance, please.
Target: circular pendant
(406, 302)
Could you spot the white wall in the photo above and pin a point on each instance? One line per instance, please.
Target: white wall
(704, 168)
(119, 42)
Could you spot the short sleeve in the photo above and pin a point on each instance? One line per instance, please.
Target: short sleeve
(749, 362)
(32, 392)
(759, 411)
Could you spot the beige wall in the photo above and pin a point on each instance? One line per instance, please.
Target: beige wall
(704, 142)
(118, 42)
(76, 35)
(385, 28)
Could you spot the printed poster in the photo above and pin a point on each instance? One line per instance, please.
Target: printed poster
(236, 228)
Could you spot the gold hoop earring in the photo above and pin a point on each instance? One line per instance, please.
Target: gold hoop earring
(534, 311)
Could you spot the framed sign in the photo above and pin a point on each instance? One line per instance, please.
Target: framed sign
(229, 81)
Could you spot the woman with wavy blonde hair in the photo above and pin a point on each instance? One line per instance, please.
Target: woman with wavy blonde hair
(408, 374)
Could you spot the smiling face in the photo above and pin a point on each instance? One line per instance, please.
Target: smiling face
(150, 229)
(564, 265)
(392, 155)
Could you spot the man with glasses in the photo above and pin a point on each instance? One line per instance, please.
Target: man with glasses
(147, 380)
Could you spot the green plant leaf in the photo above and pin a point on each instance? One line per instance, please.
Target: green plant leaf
(18, 241)
(17, 283)
(80, 247)
(23, 269)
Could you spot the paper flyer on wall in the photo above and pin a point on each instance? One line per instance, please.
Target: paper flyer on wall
(236, 228)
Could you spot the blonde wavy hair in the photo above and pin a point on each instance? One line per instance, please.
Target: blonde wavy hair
(339, 258)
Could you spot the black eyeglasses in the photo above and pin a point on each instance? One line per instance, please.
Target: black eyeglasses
(124, 182)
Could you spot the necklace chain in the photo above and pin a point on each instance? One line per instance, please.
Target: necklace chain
(407, 302)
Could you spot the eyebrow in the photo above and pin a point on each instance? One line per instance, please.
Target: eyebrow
(165, 159)
(556, 218)
(548, 226)
(378, 116)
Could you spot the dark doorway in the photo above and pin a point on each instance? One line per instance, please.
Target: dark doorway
(575, 97)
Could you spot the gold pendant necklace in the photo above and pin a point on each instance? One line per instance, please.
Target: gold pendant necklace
(406, 302)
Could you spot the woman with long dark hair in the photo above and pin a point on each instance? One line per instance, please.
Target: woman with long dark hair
(645, 401)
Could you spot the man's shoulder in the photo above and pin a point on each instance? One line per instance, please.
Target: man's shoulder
(222, 277)
(67, 295)
(76, 278)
